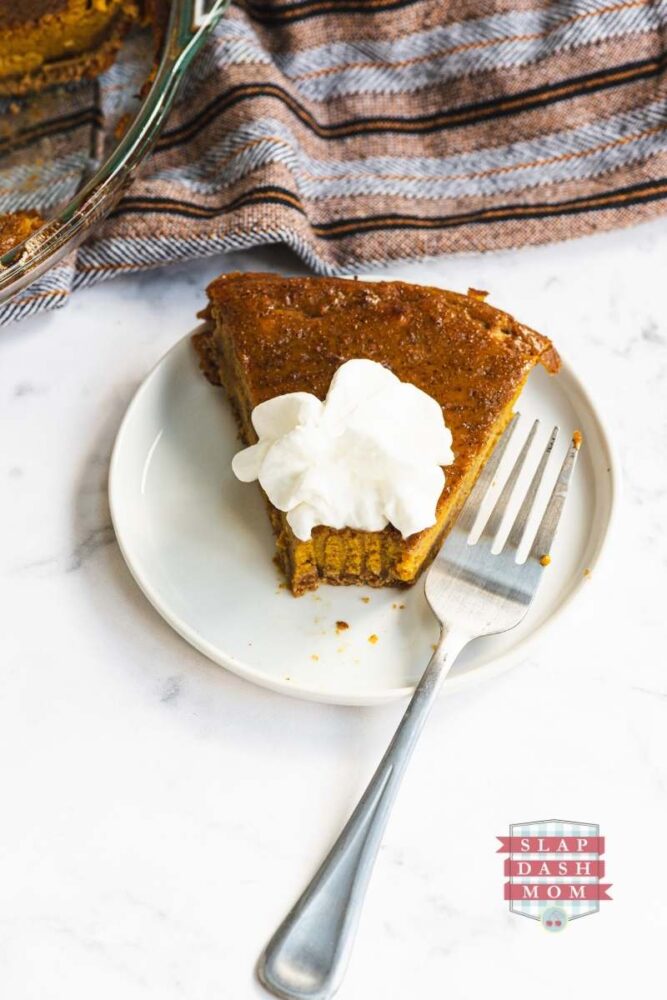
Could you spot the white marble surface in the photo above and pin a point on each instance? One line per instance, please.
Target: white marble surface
(158, 815)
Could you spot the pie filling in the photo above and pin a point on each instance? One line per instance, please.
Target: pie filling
(45, 42)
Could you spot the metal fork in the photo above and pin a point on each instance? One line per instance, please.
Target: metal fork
(473, 591)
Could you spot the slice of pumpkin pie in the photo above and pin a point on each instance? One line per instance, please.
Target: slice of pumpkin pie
(368, 409)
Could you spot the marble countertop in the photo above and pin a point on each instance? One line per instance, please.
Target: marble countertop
(159, 815)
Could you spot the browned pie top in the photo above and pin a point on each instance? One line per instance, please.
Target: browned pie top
(27, 11)
(291, 334)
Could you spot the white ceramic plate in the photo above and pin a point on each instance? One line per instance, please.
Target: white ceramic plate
(199, 545)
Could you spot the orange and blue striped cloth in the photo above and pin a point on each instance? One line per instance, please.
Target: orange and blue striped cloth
(361, 132)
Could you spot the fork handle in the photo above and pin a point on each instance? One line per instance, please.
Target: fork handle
(307, 956)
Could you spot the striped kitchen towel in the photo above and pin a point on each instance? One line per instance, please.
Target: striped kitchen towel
(360, 132)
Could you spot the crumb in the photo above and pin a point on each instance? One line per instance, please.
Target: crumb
(282, 586)
(588, 573)
(341, 626)
(545, 559)
(314, 656)
(317, 597)
(366, 600)
(373, 639)
(394, 606)
(434, 646)
(476, 293)
(577, 439)
(288, 678)
(401, 607)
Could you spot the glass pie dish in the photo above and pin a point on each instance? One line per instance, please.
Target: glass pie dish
(189, 24)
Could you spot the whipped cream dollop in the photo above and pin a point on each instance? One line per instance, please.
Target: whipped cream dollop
(370, 455)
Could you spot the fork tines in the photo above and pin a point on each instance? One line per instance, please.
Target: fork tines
(491, 529)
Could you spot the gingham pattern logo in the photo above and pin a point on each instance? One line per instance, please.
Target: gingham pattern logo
(554, 869)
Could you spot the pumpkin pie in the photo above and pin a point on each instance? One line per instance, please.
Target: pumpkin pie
(266, 335)
(45, 42)
(15, 227)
